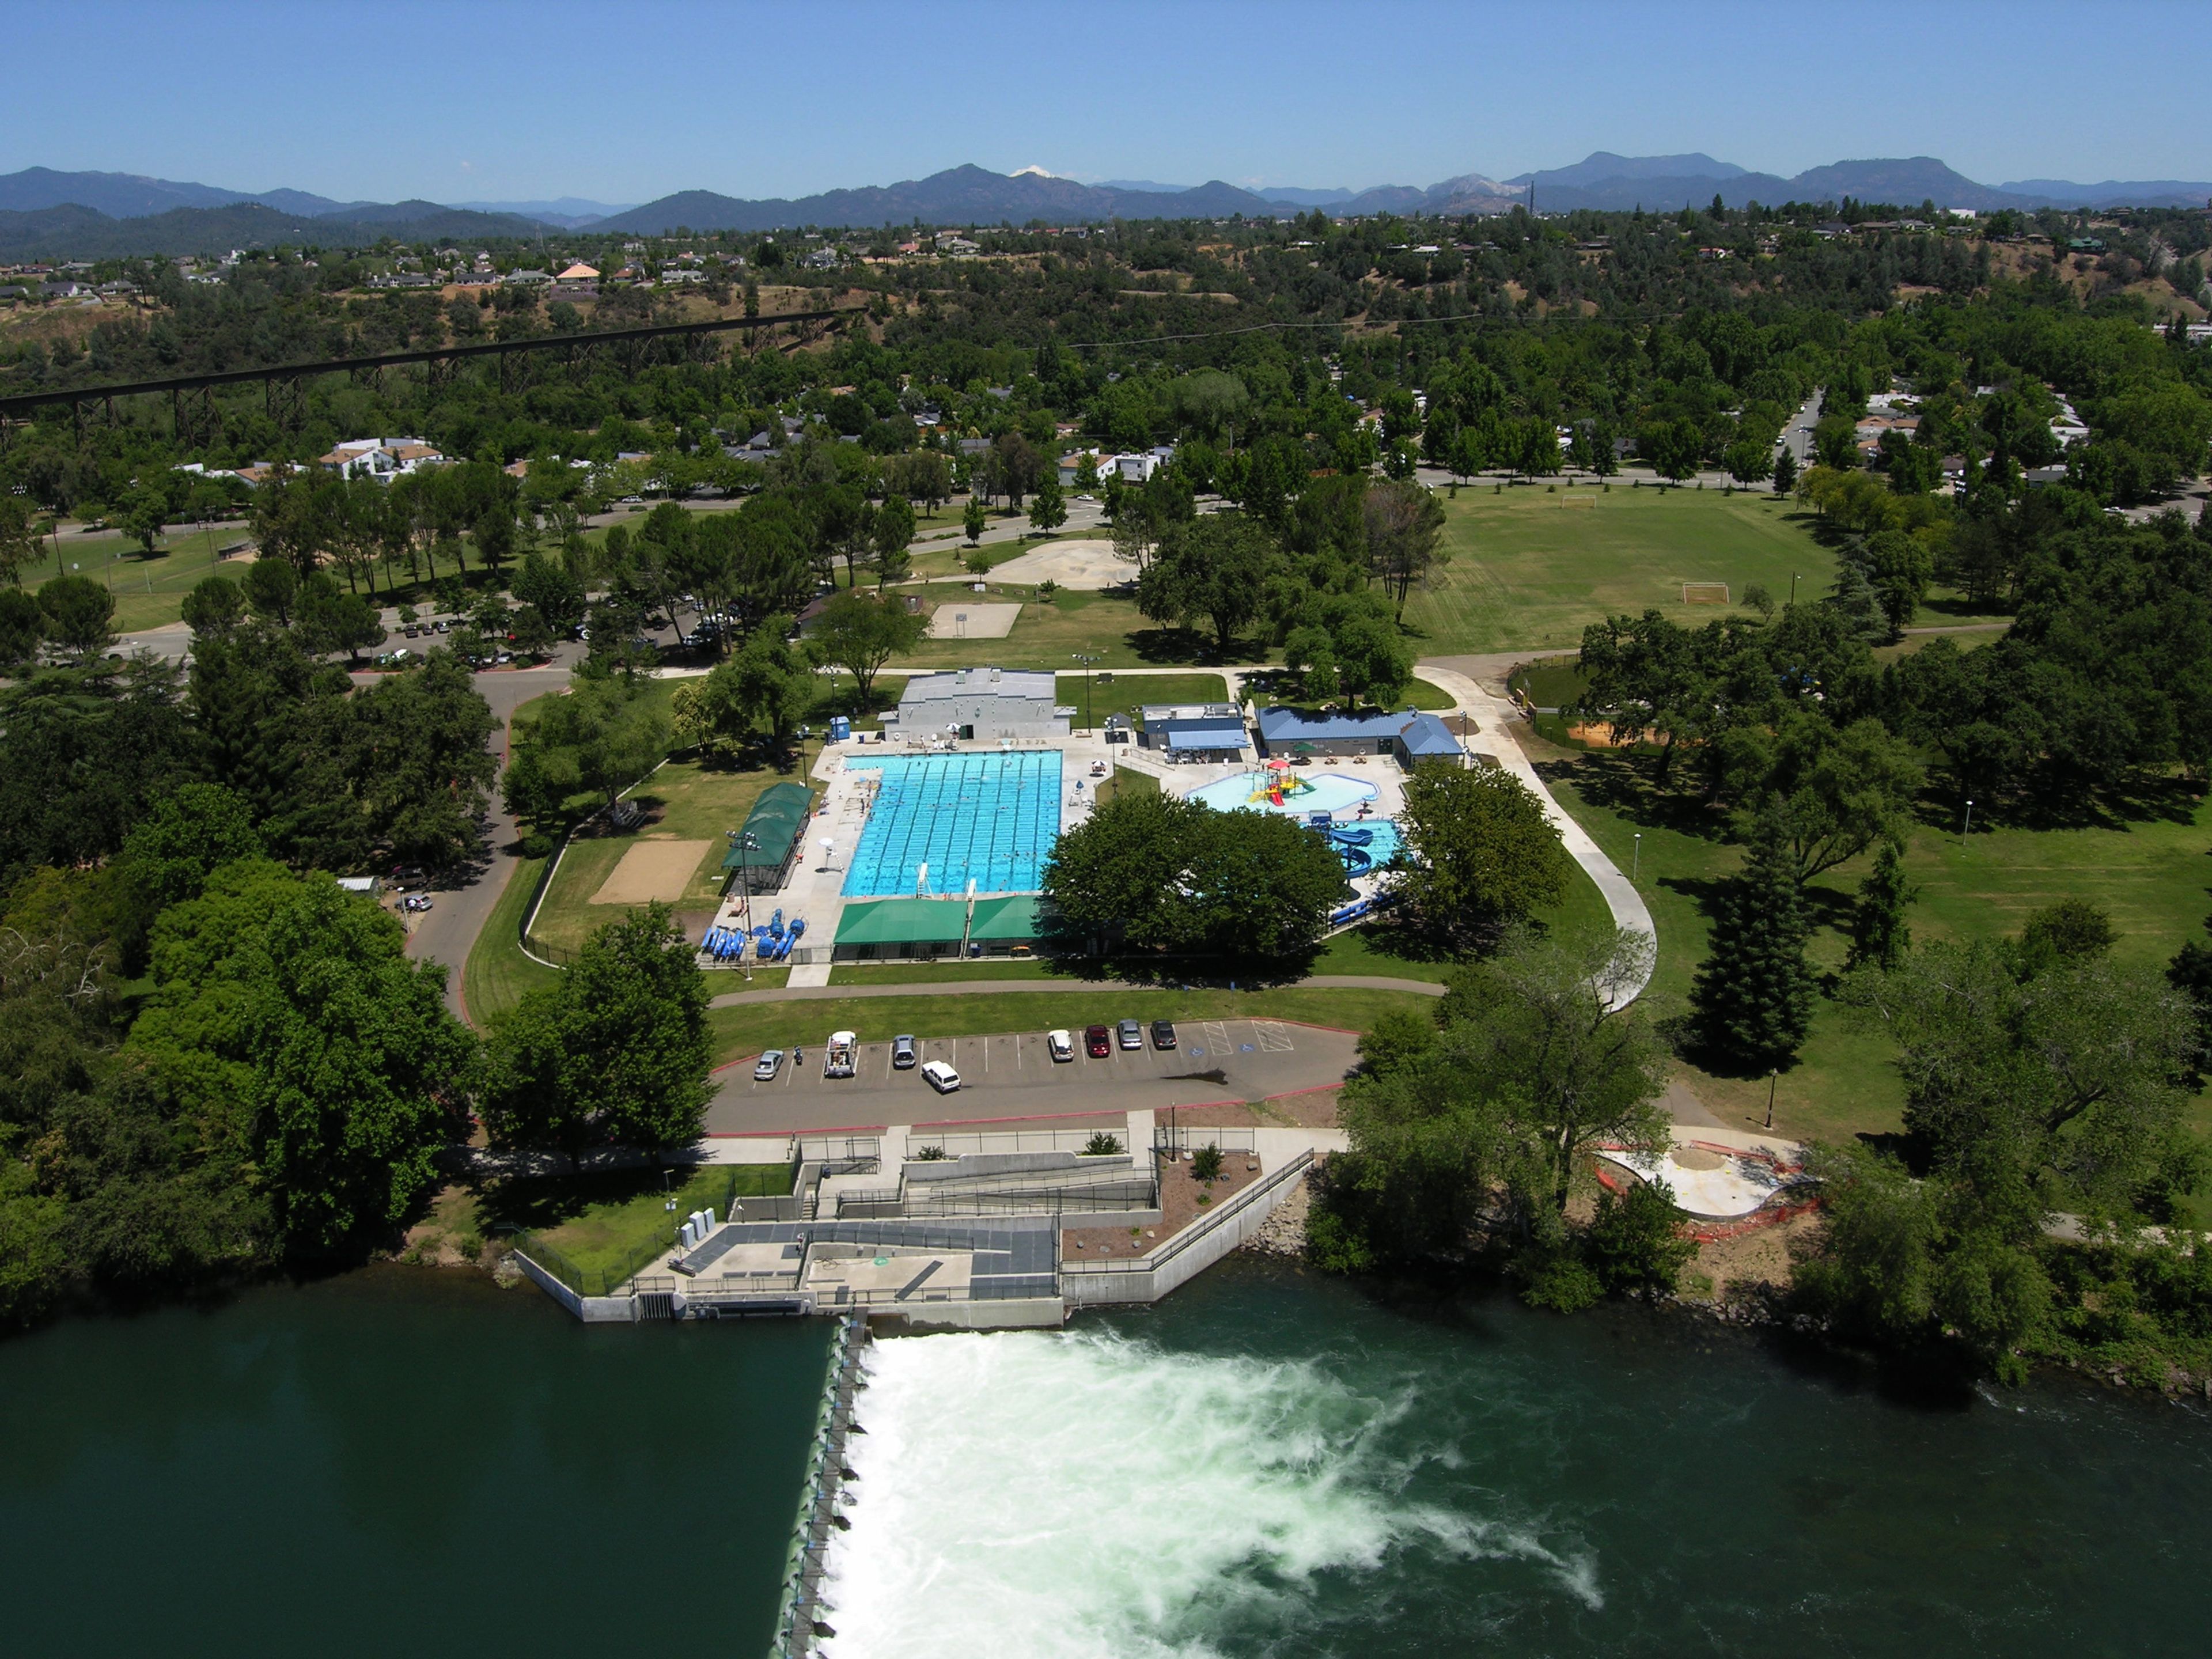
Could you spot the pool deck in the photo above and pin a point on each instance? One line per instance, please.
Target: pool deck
(815, 889)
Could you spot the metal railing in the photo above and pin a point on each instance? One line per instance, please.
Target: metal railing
(973, 1142)
(1185, 1138)
(1053, 1201)
(1211, 1221)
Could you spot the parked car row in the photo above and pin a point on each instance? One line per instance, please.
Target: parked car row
(1099, 1041)
(838, 1053)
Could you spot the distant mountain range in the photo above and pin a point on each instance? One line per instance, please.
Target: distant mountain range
(89, 214)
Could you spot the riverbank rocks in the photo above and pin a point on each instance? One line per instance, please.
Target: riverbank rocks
(1284, 1232)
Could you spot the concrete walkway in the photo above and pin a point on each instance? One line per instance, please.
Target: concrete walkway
(1493, 714)
(977, 987)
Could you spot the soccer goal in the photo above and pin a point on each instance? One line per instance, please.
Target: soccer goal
(1704, 593)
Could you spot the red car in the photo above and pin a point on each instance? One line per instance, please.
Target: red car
(1097, 1042)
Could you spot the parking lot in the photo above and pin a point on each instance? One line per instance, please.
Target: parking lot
(1013, 1075)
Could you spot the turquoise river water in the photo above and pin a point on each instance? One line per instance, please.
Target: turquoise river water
(1266, 1465)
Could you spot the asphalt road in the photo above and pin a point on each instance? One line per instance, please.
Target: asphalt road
(462, 900)
(1012, 1076)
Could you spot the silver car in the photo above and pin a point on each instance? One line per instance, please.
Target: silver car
(769, 1063)
(1132, 1035)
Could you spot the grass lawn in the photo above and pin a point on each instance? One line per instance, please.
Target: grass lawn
(602, 1227)
(1109, 695)
(497, 974)
(1551, 684)
(1048, 635)
(684, 800)
(1530, 567)
(1418, 693)
(2150, 873)
(148, 592)
(739, 1032)
(935, 972)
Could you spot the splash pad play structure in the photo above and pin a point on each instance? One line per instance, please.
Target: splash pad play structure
(1275, 787)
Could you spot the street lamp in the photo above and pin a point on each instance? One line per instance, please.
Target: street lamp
(1969, 828)
(1086, 658)
(1636, 857)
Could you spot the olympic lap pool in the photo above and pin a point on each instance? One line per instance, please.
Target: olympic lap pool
(988, 818)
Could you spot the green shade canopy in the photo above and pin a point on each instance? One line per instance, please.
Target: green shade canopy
(777, 820)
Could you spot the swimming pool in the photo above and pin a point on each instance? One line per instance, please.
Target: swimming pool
(988, 818)
(1366, 846)
(1324, 792)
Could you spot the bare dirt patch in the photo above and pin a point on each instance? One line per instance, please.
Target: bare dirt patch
(652, 870)
(956, 619)
(1179, 1193)
(1759, 1256)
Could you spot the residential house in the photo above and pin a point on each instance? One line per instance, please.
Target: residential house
(382, 458)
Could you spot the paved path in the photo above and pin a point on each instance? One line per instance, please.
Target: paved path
(977, 988)
(1496, 716)
(462, 903)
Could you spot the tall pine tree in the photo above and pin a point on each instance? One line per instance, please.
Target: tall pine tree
(1880, 935)
(1753, 998)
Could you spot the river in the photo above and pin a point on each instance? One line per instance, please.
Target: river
(1267, 1464)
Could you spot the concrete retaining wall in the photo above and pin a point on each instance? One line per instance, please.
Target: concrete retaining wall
(1027, 1313)
(1210, 1239)
(591, 1309)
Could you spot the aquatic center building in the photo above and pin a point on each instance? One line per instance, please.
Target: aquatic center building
(972, 705)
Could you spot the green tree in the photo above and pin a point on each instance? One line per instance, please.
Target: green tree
(80, 615)
(1879, 933)
(1899, 566)
(1536, 1062)
(287, 1008)
(215, 607)
(603, 737)
(861, 632)
(145, 519)
(415, 755)
(271, 586)
(22, 626)
(973, 519)
(1786, 470)
(19, 541)
(1404, 523)
(1154, 873)
(616, 1053)
(1751, 1001)
(330, 621)
(547, 585)
(893, 533)
(1214, 570)
(1048, 508)
(1483, 856)
(771, 684)
(1747, 461)
(192, 832)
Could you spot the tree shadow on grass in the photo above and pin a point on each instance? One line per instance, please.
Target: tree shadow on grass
(1624, 783)
(537, 1202)
(1165, 646)
(2057, 803)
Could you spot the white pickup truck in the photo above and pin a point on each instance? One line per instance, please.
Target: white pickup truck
(842, 1057)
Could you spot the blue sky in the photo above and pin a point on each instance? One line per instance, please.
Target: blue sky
(628, 100)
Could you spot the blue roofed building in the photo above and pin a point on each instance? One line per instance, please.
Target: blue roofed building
(1195, 732)
(1408, 735)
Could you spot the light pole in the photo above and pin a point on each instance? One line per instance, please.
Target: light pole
(1636, 857)
(1773, 1077)
(1793, 587)
(1969, 828)
(1086, 658)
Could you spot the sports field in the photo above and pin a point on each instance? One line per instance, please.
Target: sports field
(1531, 567)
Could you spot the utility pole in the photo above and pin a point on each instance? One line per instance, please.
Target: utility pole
(1086, 658)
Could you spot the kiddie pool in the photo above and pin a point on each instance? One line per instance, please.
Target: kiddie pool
(1325, 791)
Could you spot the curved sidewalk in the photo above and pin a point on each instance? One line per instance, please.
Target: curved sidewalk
(1630, 913)
(970, 988)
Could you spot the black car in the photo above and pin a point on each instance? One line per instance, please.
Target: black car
(1163, 1033)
